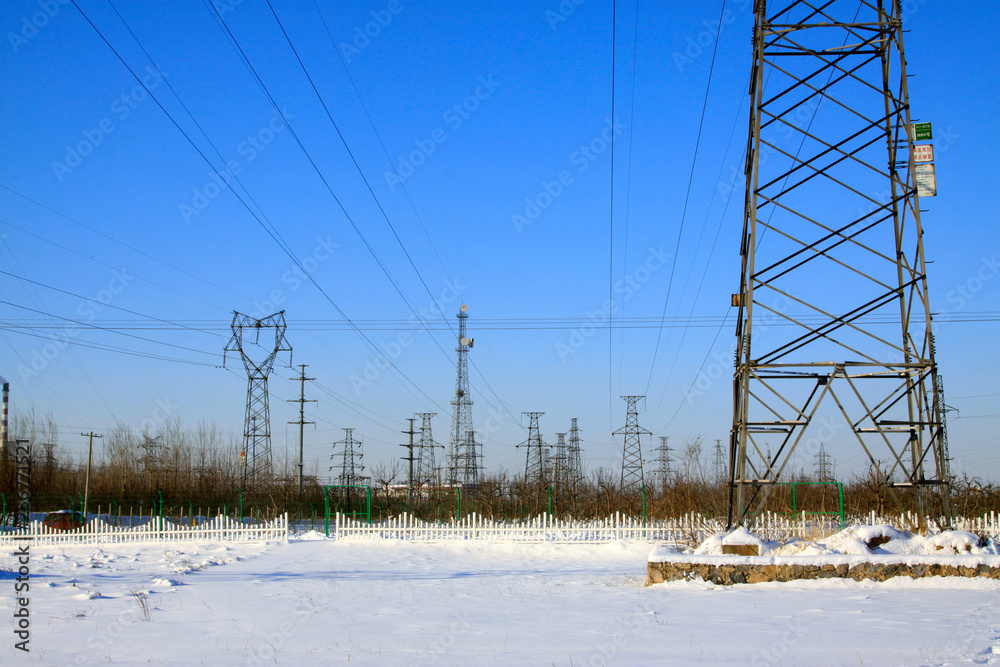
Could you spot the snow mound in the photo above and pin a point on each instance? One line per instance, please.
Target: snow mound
(312, 535)
(166, 582)
(858, 541)
(713, 545)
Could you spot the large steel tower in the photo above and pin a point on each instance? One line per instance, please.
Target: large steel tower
(257, 427)
(832, 250)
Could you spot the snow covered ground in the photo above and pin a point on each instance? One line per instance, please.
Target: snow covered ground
(472, 603)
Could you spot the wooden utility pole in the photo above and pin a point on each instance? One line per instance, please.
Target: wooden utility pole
(301, 400)
(90, 457)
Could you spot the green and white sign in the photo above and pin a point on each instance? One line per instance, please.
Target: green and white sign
(922, 132)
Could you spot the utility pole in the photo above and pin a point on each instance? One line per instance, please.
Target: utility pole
(90, 457)
(410, 459)
(301, 400)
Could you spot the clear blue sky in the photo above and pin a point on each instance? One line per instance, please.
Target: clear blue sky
(533, 87)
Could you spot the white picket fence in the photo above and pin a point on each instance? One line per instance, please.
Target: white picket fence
(690, 529)
(97, 531)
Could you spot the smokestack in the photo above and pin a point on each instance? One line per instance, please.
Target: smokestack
(3, 416)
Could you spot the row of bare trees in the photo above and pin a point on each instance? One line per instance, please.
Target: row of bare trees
(180, 467)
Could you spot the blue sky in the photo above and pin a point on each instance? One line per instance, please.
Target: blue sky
(487, 110)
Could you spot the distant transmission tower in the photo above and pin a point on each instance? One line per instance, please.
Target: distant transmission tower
(832, 247)
(560, 459)
(461, 410)
(632, 475)
(718, 461)
(664, 468)
(351, 460)
(534, 456)
(257, 427)
(152, 452)
(427, 473)
(824, 465)
(574, 464)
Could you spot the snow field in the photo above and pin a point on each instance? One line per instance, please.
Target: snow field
(318, 601)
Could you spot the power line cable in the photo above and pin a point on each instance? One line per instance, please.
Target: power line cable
(687, 196)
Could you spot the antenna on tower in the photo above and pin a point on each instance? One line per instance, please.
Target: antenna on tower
(256, 452)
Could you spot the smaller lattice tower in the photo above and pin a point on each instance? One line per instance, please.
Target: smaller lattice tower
(664, 465)
(718, 461)
(534, 447)
(574, 464)
(427, 471)
(632, 473)
(824, 465)
(351, 460)
(560, 459)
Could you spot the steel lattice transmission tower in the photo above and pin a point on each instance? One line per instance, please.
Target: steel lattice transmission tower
(632, 473)
(832, 247)
(461, 409)
(534, 454)
(247, 334)
(664, 469)
(427, 472)
(560, 459)
(574, 464)
(351, 460)
(824, 465)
